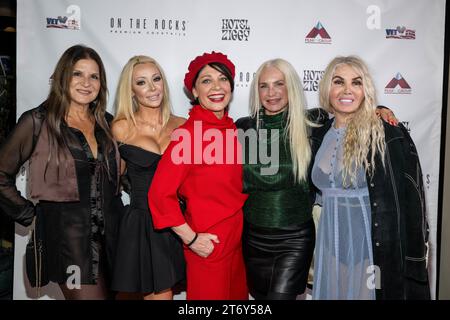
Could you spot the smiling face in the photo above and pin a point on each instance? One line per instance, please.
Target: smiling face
(85, 82)
(346, 93)
(147, 85)
(213, 90)
(272, 90)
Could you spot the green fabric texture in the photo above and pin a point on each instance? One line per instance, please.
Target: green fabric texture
(275, 201)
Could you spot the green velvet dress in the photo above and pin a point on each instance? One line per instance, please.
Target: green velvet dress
(279, 233)
(275, 201)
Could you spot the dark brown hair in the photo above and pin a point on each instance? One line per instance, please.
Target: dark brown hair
(58, 100)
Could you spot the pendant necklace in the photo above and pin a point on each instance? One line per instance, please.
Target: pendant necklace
(147, 123)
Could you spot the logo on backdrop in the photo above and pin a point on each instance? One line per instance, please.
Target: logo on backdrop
(244, 78)
(148, 26)
(235, 29)
(406, 124)
(70, 21)
(318, 34)
(401, 33)
(311, 79)
(427, 179)
(397, 85)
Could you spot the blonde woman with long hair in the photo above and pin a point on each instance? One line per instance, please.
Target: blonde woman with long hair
(371, 241)
(148, 262)
(279, 233)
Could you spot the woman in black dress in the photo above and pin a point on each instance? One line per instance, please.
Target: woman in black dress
(148, 262)
(73, 173)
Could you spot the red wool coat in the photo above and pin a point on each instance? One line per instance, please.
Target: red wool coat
(213, 192)
(202, 166)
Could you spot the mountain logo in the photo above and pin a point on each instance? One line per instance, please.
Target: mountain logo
(397, 85)
(318, 34)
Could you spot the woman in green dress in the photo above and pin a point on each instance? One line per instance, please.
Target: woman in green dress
(279, 232)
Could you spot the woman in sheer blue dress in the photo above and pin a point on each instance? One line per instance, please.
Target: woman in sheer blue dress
(372, 233)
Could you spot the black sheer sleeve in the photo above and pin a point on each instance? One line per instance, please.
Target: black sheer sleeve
(14, 152)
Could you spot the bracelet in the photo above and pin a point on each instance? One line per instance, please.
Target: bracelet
(193, 240)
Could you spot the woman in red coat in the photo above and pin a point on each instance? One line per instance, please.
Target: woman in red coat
(202, 166)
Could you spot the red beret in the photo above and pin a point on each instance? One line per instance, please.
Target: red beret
(200, 61)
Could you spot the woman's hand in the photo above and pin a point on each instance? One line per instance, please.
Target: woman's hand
(387, 115)
(204, 244)
(201, 243)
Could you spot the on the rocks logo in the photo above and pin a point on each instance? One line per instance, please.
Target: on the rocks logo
(318, 34)
(311, 79)
(71, 21)
(147, 26)
(400, 33)
(397, 85)
(244, 78)
(235, 29)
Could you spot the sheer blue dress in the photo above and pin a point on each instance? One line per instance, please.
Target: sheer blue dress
(343, 266)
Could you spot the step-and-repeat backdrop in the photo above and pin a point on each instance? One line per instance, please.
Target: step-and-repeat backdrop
(401, 40)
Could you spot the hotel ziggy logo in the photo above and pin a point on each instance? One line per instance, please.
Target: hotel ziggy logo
(72, 21)
(397, 85)
(318, 34)
(311, 79)
(401, 33)
(235, 29)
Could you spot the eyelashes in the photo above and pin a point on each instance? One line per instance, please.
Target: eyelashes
(276, 84)
(80, 74)
(341, 82)
(142, 82)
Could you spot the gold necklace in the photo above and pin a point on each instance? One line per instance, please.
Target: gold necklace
(149, 124)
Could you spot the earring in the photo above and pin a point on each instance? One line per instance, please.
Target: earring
(134, 103)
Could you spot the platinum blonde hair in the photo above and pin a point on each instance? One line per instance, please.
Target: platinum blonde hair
(125, 104)
(297, 123)
(365, 131)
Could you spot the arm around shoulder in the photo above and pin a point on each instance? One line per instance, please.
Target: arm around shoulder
(317, 115)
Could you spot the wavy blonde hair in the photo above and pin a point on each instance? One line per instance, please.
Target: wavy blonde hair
(124, 103)
(365, 131)
(297, 123)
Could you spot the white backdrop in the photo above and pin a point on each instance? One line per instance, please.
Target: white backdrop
(397, 38)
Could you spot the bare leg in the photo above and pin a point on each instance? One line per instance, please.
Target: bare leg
(87, 291)
(163, 295)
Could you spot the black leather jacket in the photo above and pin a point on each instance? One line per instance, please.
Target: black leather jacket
(399, 226)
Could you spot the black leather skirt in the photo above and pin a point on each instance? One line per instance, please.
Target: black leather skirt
(278, 260)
